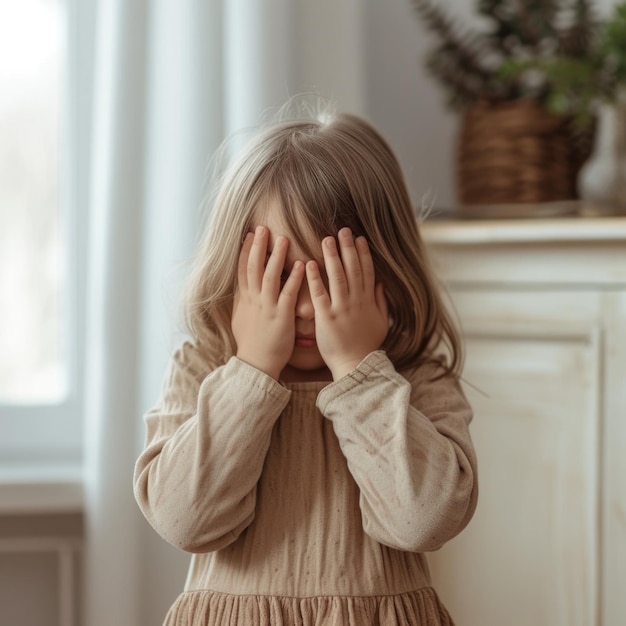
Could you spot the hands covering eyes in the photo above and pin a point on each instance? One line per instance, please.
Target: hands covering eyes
(351, 316)
(264, 320)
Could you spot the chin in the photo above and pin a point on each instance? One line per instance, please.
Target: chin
(307, 364)
(304, 362)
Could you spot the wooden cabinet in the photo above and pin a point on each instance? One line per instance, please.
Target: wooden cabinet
(542, 305)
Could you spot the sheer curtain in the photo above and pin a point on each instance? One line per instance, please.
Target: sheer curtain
(170, 80)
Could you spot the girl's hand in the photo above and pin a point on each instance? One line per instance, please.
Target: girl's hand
(263, 321)
(352, 320)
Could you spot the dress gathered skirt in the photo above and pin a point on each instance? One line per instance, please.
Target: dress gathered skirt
(203, 608)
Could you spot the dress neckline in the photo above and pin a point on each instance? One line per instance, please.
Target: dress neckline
(308, 385)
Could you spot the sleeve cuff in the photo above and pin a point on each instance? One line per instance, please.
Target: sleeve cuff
(376, 363)
(251, 382)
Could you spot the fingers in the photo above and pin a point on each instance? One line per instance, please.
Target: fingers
(255, 267)
(242, 267)
(337, 281)
(350, 270)
(350, 259)
(274, 267)
(367, 265)
(265, 273)
(317, 289)
(291, 288)
(348, 264)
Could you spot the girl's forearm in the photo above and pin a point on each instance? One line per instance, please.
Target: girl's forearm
(416, 471)
(196, 481)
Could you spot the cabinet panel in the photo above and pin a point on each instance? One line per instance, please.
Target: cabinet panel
(530, 555)
(40, 570)
(614, 464)
(28, 593)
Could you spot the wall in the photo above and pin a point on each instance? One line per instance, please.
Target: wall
(404, 101)
(367, 55)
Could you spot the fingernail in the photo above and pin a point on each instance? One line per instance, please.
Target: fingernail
(260, 230)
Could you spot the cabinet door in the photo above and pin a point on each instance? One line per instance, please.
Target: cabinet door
(530, 555)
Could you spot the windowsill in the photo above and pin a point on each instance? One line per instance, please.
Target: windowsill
(41, 489)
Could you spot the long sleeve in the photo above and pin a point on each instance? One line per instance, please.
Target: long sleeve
(408, 447)
(206, 442)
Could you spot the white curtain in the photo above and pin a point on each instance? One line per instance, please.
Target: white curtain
(114, 308)
(171, 80)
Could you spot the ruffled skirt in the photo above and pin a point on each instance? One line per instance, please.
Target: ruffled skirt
(207, 608)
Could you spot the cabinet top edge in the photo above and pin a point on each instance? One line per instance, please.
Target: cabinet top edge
(566, 229)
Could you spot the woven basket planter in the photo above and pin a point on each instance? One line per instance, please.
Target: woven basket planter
(516, 152)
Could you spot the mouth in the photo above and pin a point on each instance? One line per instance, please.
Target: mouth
(305, 341)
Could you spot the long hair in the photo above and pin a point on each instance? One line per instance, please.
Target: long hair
(329, 172)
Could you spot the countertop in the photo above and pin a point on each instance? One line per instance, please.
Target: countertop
(451, 230)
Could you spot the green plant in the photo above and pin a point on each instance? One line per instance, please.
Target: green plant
(613, 50)
(576, 85)
(547, 50)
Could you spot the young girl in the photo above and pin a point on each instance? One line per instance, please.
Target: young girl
(310, 443)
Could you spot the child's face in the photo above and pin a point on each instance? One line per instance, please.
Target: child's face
(305, 356)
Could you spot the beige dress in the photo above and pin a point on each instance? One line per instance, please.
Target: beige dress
(307, 503)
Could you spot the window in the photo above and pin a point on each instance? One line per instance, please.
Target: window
(32, 366)
(39, 281)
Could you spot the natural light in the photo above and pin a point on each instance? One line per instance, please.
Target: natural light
(32, 363)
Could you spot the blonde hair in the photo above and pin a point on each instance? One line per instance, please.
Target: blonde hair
(329, 172)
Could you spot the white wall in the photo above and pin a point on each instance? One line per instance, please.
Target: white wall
(405, 103)
(367, 56)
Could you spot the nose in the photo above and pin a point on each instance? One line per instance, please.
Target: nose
(304, 305)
